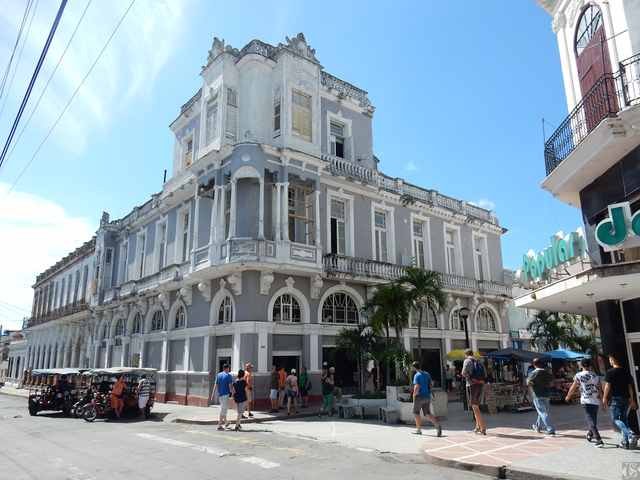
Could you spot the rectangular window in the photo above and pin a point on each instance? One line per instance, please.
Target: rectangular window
(162, 245)
(185, 237)
(300, 215)
(276, 117)
(380, 225)
(480, 256)
(212, 120)
(451, 250)
(301, 115)
(337, 139)
(108, 267)
(143, 243)
(232, 114)
(418, 243)
(124, 276)
(338, 227)
(188, 153)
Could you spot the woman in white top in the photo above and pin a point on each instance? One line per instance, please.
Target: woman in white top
(590, 397)
(291, 391)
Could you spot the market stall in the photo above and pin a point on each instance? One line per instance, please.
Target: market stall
(564, 367)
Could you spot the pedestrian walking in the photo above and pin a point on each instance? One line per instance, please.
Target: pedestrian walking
(304, 383)
(274, 388)
(590, 397)
(282, 378)
(474, 375)
(117, 396)
(422, 385)
(248, 376)
(539, 381)
(239, 392)
(223, 388)
(328, 386)
(291, 389)
(618, 397)
(144, 391)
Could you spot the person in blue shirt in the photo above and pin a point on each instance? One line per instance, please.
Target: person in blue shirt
(223, 386)
(422, 385)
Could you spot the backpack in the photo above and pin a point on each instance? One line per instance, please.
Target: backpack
(477, 372)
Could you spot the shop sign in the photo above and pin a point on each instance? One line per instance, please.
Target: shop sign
(562, 250)
(620, 227)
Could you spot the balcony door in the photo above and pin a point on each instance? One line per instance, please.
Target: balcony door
(593, 62)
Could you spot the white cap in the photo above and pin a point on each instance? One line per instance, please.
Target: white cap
(293, 370)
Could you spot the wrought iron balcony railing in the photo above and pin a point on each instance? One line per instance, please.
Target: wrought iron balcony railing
(70, 309)
(611, 94)
(342, 266)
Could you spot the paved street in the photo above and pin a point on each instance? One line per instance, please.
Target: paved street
(55, 447)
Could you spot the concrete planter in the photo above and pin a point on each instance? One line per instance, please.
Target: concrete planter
(399, 398)
(371, 405)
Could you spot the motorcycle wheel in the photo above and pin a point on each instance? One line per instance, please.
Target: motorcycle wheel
(90, 413)
(33, 410)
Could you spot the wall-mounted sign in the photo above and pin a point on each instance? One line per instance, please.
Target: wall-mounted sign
(562, 250)
(620, 227)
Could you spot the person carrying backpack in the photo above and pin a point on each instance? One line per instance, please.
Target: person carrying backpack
(475, 375)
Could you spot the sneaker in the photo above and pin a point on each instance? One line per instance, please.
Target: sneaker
(439, 431)
(238, 428)
(551, 433)
(624, 445)
(251, 415)
(535, 428)
(633, 441)
(599, 444)
(417, 432)
(589, 437)
(220, 427)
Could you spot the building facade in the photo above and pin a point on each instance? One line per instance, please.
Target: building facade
(273, 230)
(592, 162)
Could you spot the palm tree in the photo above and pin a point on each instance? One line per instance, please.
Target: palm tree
(387, 309)
(424, 294)
(549, 330)
(358, 343)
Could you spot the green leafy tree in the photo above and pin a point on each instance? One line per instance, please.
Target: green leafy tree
(358, 343)
(424, 295)
(549, 331)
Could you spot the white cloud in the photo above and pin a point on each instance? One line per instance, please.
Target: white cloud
(147, 38)
(410, 166)
(35, 234)
(484, 203)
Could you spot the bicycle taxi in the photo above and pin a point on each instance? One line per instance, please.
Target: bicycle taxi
(55, 389)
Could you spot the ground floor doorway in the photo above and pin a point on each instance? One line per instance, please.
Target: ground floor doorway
(346, 375)
(287, 362)
(431, 361)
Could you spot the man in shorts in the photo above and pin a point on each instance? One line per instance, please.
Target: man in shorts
(274, 389)
(248, 377)
(422, 385)
(474, 374)
(223, 386)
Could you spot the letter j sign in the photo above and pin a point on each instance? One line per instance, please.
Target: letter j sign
(613, 231)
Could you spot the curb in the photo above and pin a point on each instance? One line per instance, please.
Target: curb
(13, 394)
(503, 471)
(244, 421)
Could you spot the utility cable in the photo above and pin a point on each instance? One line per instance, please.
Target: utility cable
(15, 47)
(124, 15)
(43, 54)
(37, 104)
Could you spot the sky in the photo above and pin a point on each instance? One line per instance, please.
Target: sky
(460, 90)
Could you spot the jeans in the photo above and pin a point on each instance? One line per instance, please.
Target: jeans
(591, 416)
(542, 407)
(618, 412)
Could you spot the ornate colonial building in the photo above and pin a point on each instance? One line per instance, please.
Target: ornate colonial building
(273, 230)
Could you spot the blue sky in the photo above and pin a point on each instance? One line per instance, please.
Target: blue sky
(460, 88)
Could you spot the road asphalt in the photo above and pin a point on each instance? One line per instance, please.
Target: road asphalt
(52, 447)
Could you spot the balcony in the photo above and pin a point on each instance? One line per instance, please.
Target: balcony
(594, 135)
(343, 267)
(64, 311)
(408, 192)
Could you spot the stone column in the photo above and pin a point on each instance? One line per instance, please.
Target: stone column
(222, 235)
(185, 358)
(205, 354)
(317, 211)
(59, 356)
(261, 209)
(141, 359)
(74, 354)
(165, 353)
(124, 355)
(263, 351)
(285, 211)
(314, 352)
(234, 209)
(213, 234)
(107, 353)
(278, 214)
(96, 354)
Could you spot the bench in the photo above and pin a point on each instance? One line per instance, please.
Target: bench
(351, 411)
(388, 415)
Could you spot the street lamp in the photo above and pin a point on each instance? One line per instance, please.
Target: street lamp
(463, 313)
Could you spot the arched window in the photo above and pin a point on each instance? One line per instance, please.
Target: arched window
(225, 312)
(137, 323)
(590, 22)
(485, 320)
(181, 318)
(339, 308)
(157, 321)
(119, 330)
(428, 320)
(456, 321)
(286, 309)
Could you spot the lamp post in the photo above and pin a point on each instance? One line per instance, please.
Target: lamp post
(463, 313)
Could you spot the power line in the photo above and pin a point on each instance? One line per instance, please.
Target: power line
(33, 79)
(15, 46)
(15, 70)
(124, 15)
(37, 104)
(15, 307)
